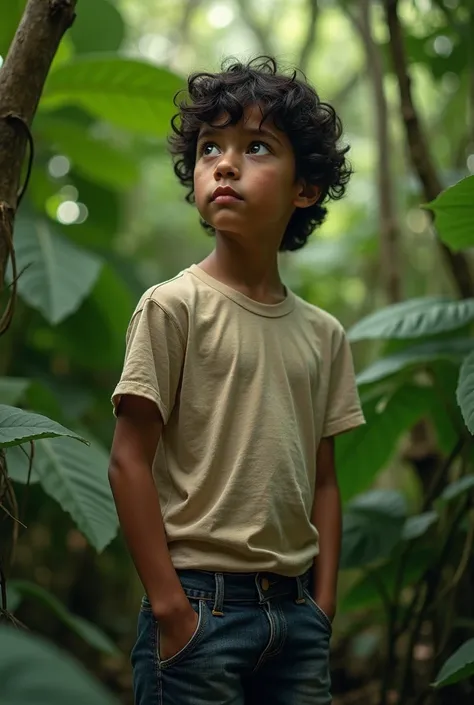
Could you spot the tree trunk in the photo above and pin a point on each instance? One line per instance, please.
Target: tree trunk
(418, 145)
(22, 78)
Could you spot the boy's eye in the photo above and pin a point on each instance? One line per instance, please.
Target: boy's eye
(257, 147)
(207, 149)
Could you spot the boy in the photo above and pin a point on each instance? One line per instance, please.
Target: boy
(233, 388)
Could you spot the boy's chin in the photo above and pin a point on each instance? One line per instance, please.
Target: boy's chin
(228, 223)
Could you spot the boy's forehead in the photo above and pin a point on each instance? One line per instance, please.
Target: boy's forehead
(251, 120)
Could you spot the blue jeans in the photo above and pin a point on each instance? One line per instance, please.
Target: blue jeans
(260, 640)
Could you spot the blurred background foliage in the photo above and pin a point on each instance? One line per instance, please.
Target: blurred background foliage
(105, 218)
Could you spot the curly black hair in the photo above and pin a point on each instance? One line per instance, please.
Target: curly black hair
(312, 126)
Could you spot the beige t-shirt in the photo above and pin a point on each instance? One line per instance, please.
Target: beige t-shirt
(246, 391)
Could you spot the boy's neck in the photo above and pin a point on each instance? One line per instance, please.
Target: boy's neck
(254, 273)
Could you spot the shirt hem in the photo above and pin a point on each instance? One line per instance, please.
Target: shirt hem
(346, 424)
(139, 390)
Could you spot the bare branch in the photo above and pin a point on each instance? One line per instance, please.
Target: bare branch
(310, 36)
(21, 83)
(418, 146)
(261, 35)
(389, 223)
(180, 36)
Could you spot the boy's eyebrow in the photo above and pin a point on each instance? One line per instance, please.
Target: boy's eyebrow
(209, 131)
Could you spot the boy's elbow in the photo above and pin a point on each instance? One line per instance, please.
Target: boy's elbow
(115, 470)
(123, 468)
(119, 465)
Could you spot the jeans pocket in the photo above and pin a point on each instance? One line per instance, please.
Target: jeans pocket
(321, 614)
(145, 605)
(197, 605)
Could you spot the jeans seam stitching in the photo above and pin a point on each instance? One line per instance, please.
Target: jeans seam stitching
(159, 682)
(320, 612)
(168, 663)
(267, 650)
(284, 632)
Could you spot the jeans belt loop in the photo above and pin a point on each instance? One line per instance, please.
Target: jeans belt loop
(300, 599)
(218, 609)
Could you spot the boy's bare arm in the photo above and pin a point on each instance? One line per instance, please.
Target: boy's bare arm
(137, 433)
(327, 517)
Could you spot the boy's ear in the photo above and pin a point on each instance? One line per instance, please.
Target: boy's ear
(308, 195)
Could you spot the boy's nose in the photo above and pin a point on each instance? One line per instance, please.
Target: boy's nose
(226, 169)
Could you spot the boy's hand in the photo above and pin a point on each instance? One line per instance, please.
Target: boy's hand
(328, 606)
(176, 631)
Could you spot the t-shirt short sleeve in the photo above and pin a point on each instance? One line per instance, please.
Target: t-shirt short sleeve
(153, 358)
(343, 410)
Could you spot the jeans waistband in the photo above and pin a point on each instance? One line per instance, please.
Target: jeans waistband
(242, 587)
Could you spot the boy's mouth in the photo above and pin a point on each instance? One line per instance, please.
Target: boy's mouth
(225, 194)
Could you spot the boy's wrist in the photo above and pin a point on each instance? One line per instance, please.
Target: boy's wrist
(170, 607)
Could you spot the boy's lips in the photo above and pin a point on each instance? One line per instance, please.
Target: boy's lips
(225, 194)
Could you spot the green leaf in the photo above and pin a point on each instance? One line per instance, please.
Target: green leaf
(76, 476)
(418, 525)
(14, 598)
(106, 324)
(458, 667)
(12, 389)
(18, 426)
(361, 454)
(98, 27)
(465, 391)
(34, 671)
(454, 214)
(131, 94)
(419, 355)
(366, 591)
(93, 158)
(87, 631)
(416, 318)
(18, 463)
(372, 526)
(457, 488)
(444, 412)
(56, 275)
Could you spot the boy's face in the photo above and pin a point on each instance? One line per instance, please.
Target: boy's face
(244, 178)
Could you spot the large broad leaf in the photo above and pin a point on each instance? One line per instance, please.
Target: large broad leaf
(56, 274)
(98, 27)
(93, 158)
(458, 667)
(134, 95)
(465, 391)
(457, 488)
(12, 389)
(361, 454)
(96, 318)
(454, 214)
(372, 526)
(444, 412)
(366, 592)
(34, 671)
(419, 355)
(87, 631)
(76, 477)
(18, 426)
(416, 318)
(418, 525)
